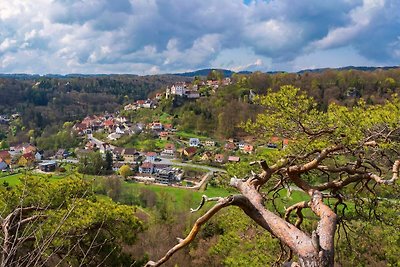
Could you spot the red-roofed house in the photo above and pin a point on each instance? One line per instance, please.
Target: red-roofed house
(151, 156)
(26, 159)
(220, 158)
(146, 167)
(164, 135)
(169, 150)
(189, 151)
(248, 149)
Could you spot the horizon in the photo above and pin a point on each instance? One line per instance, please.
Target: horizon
(162, 37)
(196, 70)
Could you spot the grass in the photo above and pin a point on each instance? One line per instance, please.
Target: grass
(187, 135)
(180, 197)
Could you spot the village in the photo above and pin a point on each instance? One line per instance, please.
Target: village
(164, 164)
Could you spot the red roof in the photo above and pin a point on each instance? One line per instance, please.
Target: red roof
(168, 126)
(219, 156)
(108, 123)
(190, 150)
(4, 154)
(285, 142)
(275, 139)
(248, 148)
(29, 156)
(151, 154)
(170, 146)
(147, 165)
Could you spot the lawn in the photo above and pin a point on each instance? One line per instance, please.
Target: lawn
(179, 196)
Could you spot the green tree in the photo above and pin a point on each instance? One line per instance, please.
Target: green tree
(63, 223)
(333, 156)
(109, 161)
(92, 163)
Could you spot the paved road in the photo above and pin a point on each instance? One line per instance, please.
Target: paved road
(170, 162)
(97, 141)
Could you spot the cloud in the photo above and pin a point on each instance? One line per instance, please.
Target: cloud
(146, 36)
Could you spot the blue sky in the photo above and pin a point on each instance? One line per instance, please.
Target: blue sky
(164, 36)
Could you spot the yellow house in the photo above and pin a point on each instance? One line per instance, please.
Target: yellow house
(26, 160)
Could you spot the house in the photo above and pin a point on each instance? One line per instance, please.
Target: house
(165, 175)
(248, 149)
(121, 119)
(129, 107)
(120, 130)
(29, 149)
(169, 150)
(5, 156)
(156, 126)
(109, 125)
(285, 143)
(26, 159)
(39, 155)
(209, 143)
(118, 153)
(61, 154)
(163, 135)
(146, 167)
(233, 159)
(230, 146)
(192, 94)
(178, 89)
(151, 156)
(241, 145)
(220, 158)
(117, 165)
(3, 165)
(160, 167)
(194, 142)
(207, 156)
(131, 155)
(48, 166)
(80, 128)
(189, 151)
(159, 96)
(168, 127)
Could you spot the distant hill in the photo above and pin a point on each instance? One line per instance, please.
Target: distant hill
(205, 72)
(361, 68)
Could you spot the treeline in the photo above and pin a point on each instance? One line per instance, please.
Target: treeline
(222, 112)
(45, 101)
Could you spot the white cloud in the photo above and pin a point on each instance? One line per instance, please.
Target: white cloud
(145, 36)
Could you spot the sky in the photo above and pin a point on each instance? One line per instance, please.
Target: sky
(167, 36)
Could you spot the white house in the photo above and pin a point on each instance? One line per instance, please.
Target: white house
(194, 142)
(178, 89)
(151, 156)
(146, 167)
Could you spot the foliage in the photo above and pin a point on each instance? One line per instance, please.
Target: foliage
(68, 224)
(92, 163)
(125, 171)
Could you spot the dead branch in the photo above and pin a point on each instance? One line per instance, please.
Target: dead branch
(222, 202)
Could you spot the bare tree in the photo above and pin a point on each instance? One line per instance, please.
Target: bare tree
(340, 147)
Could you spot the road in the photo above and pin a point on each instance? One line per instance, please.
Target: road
(168, 161)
